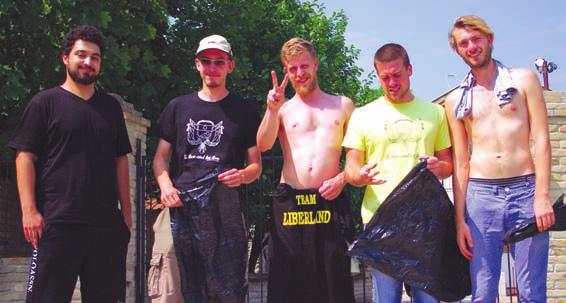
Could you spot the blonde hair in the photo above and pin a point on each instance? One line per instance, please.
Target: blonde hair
(469, 22)
(295, 47)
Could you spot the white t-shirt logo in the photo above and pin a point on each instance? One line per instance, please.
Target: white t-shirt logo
(204, 133)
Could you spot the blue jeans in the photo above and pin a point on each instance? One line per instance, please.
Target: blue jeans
(387, 289)
(493, 207)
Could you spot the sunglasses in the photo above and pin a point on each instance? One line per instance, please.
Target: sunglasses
(216, 62)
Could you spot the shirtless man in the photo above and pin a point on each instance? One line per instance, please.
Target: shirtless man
(498, 185)
(308, 261)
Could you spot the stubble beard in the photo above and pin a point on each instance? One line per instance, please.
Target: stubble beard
(82, 79)
(483, 63)
(305, 89)
(398, 97)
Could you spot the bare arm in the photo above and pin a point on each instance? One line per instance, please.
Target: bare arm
(169, 194)
(237, 177)
(332, 187)
(441, 163)
(32, 220)
(357, 173)
(460, 176)
(123, 180)
(269, 127)
(539, 133)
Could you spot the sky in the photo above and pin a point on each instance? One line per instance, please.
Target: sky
(524, 31)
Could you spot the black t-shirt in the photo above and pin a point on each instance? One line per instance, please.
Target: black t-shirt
(76, 142)
(206, 134)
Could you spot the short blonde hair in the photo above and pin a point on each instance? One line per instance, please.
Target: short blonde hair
(469, 22)
(295, 47)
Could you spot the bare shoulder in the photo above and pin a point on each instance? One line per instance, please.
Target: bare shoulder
(288, 106)
(451, 99)
(347, 104)
(524, 77)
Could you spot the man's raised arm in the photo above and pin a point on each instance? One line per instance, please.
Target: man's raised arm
(269, 127)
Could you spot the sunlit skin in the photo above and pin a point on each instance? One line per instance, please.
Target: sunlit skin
(213, 75)
(83, 62)
(394, 79)
(301, 71)
(500, 135)
(474, 47)
(310, 127)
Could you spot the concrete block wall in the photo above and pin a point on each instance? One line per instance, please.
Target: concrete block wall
(556, 106)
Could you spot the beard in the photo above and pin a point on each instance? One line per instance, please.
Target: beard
(84, 79)
(303, 89)
(483, 62)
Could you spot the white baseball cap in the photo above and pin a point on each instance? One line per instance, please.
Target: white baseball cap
(214, 42)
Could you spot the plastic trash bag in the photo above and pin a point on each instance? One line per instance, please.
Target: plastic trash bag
(412, 238)
(529, 228)
(210, 242)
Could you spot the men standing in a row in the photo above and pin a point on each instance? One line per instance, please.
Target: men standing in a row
(72, 169)
(386, 139)
(210, 136)
(497, 184)
(311, 215)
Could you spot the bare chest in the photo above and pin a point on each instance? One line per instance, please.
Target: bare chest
(486, 108)
(313, 120)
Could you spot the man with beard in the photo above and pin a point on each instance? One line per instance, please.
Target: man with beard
(498, 185)
(72, 169)
(386, 139)
(210, 136)
(311, 215)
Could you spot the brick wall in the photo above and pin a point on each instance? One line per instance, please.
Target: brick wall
(14, 270)
(556, 105)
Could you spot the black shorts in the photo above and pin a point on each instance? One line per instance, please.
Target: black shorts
(308, 261)
(97, 255)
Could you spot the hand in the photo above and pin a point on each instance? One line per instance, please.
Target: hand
(276, 96)
(231, 178)
(433, 164)
(33, 227)
(170, 197)
(331, 188)
(544, 214)
(369, 177)
(464, 240)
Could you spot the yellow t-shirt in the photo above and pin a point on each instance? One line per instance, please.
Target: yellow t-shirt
(394, 136)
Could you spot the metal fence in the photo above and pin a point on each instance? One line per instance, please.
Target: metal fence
(256, 199)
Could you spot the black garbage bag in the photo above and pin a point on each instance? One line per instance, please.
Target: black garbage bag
(210, 242)
(529, 228)
(412, 237)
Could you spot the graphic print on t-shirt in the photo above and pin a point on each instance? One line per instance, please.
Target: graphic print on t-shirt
(404, 130)
(204, 133)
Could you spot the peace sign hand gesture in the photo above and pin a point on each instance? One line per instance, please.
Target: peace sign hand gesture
(276, 96)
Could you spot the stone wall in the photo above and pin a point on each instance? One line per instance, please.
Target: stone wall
(556, 106)
(14, 270)
(137, 129)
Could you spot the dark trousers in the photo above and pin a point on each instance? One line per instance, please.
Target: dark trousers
(210, 242)
(97, 255)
